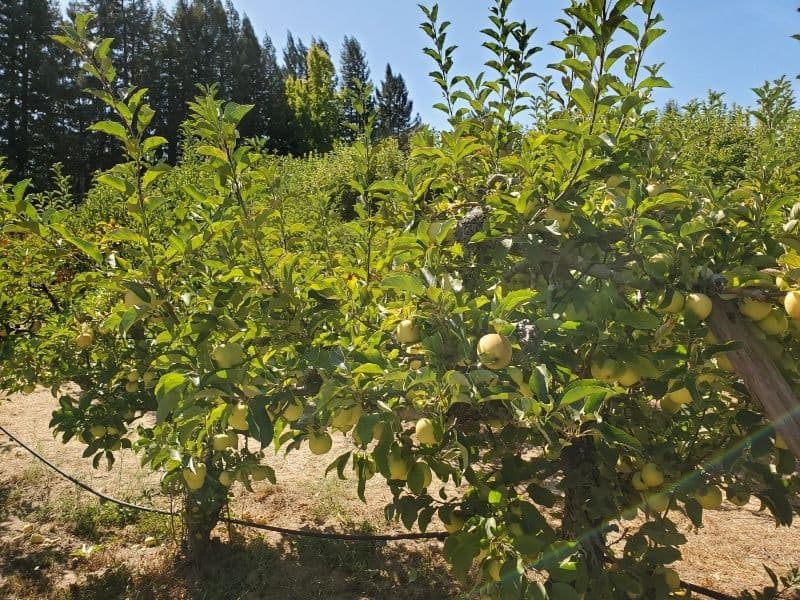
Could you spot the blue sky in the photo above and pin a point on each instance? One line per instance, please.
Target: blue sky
(727, 45)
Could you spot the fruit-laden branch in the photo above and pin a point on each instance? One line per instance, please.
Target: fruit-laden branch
(762, 378)
(764, 381)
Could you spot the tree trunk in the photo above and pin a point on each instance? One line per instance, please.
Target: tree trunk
(765, 382)
(581, 521)
(201, 513)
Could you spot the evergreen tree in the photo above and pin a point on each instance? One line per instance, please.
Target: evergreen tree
(355, 75)
(276, 114)
(394, 107)
(250, 80)
(314, 101)
(28, 87)
(294, 57)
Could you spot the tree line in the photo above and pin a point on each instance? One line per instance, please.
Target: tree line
(302, 104)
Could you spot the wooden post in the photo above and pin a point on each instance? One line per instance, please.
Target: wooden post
(753, 365)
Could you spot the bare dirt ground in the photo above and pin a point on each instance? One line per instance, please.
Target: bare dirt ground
(94, 551)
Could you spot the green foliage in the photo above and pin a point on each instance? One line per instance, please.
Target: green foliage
(516, 288)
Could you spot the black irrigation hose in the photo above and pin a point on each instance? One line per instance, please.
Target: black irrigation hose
(437, 535)
(433, 535)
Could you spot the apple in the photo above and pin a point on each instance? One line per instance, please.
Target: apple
(791, 303)
(111, 430)
(658, 266)
(407, 332)
(638, 484)
(669, 406)
(221, 441)
(671, 578)
(427, 476)
(459, 379)
(319, 443)
(226, 478)
(148, 377)
(780, 443)
(652, 475)
(681, 396)
(676, 303)
(150, 542)
(562, 218)
(605, 370)
(426, 433)
(97, 431)
(724, 363)
(133, 375)
(754, 309)
(629, 514)
(28, 388)
(699, 305)
(36, 538)
(494, 351)
(194, 480)
(737, 495)
(294, 410)
(774, 324)
(84, 339)
(132, 387)
(416, 364)
(658, 502)
(228, 355)
(398, 466)
(629, 377)
(709, 497)
(238, 417)
(377, 430)
(345, 418)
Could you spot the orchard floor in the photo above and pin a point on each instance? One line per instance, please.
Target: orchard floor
(94, 551)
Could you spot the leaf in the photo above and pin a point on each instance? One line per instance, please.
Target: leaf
(259, 424)
(116, 183)
(234, 112)
(516, 299)
(404, 282)
(639, 319)
(168, 391)
(370, 368)
(616, 435)
(581, 389)
(111, 128)
(87, 248)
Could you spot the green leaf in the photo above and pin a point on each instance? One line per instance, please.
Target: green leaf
(168, 391)
(580, 390)
(638, 319)
(616, 435)
(234, 112)
(404, 282)
(87, 248)
(370, 368)
(111, 128)
(259, 424)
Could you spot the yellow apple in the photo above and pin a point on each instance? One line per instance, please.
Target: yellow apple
(28, 388)
(724, 363)
(494, 351)
(148, 377)
(738, 496)
(454, 524)
(709, 497)
(132, 387)
(194, 480)
(238, 417)
(84, 339)
(699, 305)
(780, 443)
(605, 370)
(791, 303)
(221, 441)
(652, 475)
(775, 323)
(259, 473)
(638, 484)
(97, 431)
(294, 410)
(754, 309)
(676, 303)
(629, 377)
(228, 355)
(150, 542)
(133, 375)
(426, 432)
(492, 568)
(680, 396)
(36, 538)
(398, 466)
(669, 406)
(226, 478)
(319, 443)
(425, 470)
(407, 332)
(671, 578)
(658, 502)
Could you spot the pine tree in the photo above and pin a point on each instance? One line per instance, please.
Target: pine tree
(277, 115)
(355, 76)
(250, 80)
(394, 107)
(28, 87)
(294, 57)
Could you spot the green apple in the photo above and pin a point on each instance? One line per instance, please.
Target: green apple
(259, 473)
(221, 441)
(407, 332)
(605, 370)
(699, 305)
(426, 432)
(638, 484)
(629, 377)
(319, 443)
(676, 303)
(671, 578)
(148, 377)
(133, 375)
(652, 475)
(775, 323)
(36, 538)
(669, 406)
(680, 396)
(754, 309)
(227, 356)
(737, 495)
(226, 478)
(454, 524)
(132, 387)
(494, 351)
(424, 470)
(97, 431)
(562, 218)
(238, 417)
(658, 266)
(131, 300)
(194, 480)
(492, 569)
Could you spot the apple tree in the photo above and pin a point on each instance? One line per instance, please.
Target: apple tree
(533, 334)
